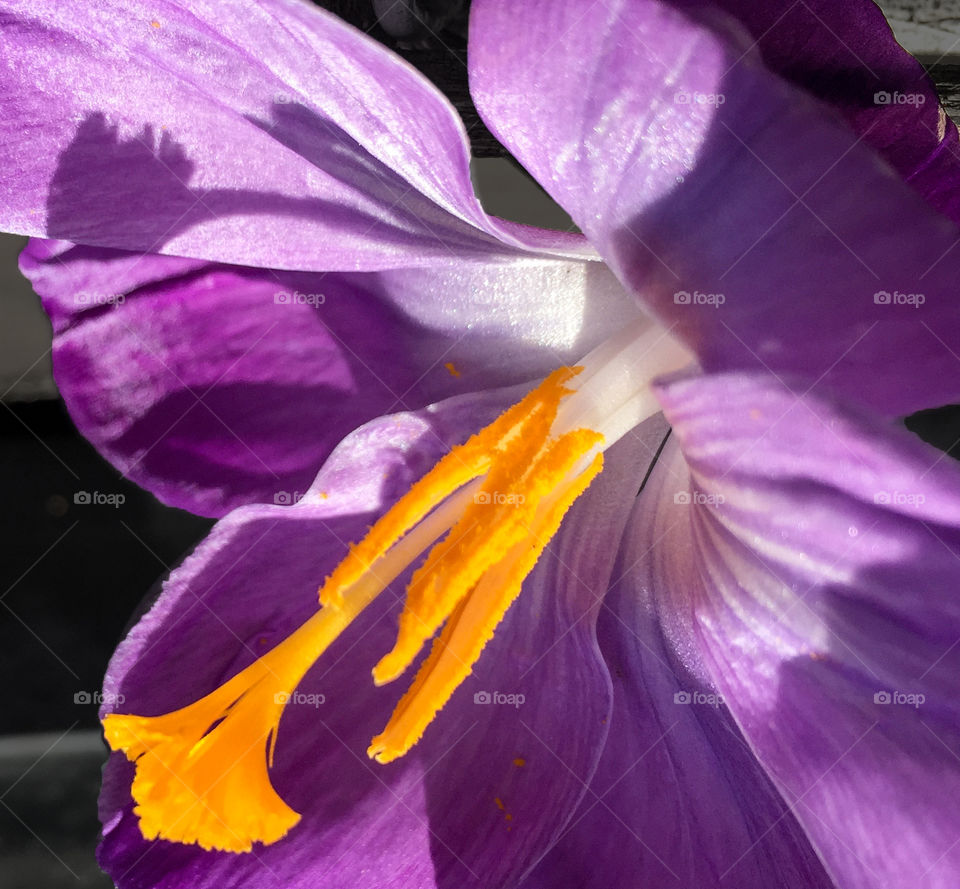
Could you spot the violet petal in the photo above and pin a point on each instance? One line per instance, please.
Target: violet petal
(807, 568)
(678, 799)
(844, 52)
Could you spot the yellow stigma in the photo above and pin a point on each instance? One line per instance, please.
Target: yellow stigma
(202, 771)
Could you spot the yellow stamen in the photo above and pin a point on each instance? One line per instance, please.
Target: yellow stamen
(471, 626)
(476, 544)
(203, 771)
(463, 464)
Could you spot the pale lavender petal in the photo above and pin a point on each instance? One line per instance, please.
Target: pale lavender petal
(433, 818)
(743, 212)
(807, 565)
(270, 135)
(213, 386)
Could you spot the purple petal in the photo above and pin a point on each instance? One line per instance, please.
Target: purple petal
(845, 54)
(812, 577)
(202, 388)
(214, 386)
(678, 798)
(433, 818)
(734, 205)
(279, 136)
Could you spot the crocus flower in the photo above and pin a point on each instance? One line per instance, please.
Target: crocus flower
(745, 675)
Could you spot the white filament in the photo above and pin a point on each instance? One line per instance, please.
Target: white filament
(612, 393)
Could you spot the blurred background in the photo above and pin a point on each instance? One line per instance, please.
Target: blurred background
(71, 574)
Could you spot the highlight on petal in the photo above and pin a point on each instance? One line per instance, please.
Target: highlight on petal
(809, 573)
(298, 143)
(708, 183)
